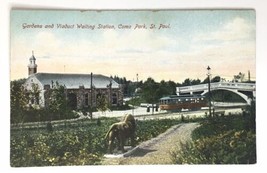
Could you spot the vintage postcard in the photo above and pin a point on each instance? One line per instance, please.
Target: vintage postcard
(132, 87)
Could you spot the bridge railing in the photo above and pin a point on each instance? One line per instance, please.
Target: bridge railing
(229, 85)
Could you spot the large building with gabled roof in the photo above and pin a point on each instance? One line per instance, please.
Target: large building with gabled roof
(82, 90)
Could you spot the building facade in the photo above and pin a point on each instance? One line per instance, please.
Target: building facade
(81, 90)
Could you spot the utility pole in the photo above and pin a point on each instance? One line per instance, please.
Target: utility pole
(209, 90)
(133, 98)
(91, 100)
(110, 93)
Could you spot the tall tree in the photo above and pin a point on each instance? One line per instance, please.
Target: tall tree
(101, 103)
(215, 79)
(188, 82)
(150, 91)
(19, 99)
(172, 87)
(34, 95)
(57, 101)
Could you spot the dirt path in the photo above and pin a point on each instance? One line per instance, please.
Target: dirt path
(157, 150)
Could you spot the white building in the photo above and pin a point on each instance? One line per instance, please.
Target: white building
(81, 89)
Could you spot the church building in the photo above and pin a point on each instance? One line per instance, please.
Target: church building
(81, 90)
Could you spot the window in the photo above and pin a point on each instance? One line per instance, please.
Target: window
(114, 98)
(86, 99)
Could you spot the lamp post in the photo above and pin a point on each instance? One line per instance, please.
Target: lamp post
(209, 90)
(135, 84)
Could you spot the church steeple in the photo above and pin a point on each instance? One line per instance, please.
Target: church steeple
(32, 67)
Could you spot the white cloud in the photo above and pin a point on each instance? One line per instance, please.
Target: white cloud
(235, 30)
(142, 41)
(110, 44)
(46, 43)
(143, 52)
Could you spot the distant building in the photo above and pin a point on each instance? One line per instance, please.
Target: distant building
(78, 88)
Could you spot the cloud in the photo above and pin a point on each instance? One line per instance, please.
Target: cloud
(235, 30)
(145, 52)
(47, 41)
(109, 44)
(134, 41)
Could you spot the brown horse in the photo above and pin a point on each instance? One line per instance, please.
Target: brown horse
(121, 131)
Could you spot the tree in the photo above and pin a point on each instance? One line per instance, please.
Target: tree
(57, 102)
(166, 88)
(188, 82)
(215, 79)
(171, 87)
(101, 103)
(128, 86)
(34, 95)
(149, 93)
(19, 99)
(195, 81)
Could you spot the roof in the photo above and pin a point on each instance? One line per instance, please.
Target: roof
(32, 57)
(74, 81)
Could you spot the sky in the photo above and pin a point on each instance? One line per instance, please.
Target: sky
(190, 41)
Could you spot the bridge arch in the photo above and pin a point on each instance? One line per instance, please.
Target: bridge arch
(245, 97)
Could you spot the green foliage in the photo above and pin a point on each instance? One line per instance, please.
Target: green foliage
(188, 82)
(22, 111)
(102, 103)
(153, 91)
(56, 148)
(82, 144)
(57, 102)
(149, 91)
(19, 99)
(216, 79)
(128, 86)
(40, 115)
(151, 128)
(230, 147)
(225, 140)
(249, 115)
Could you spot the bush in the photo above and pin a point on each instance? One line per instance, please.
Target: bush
(231, 147)
(38, 115)
(222, 141)
(79, 144)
